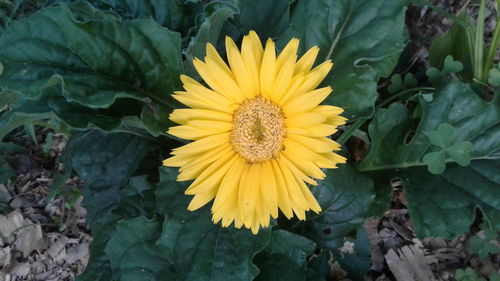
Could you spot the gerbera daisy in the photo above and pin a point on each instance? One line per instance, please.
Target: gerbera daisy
(259, 134)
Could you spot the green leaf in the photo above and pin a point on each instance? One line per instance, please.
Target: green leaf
(268, 18)
(441, 205)
(170, 196)
(460, 152)
(92, 63)
(364, 40)
(11, 120)
(199, 249)
(133, 252)
(345, 196)
(474, 120)
(278, 267)
(99, 266)
(136, 200)
(208, 32)
(297, 248)
(410, 81)
(358, 263)
(482, 247)
(104, 160)
(452, 66)
(443, 136)
(444, 205)
(494, 76)
(434, 74)
(435, 161)
(175, 15)
(455, 42)
(396, 84)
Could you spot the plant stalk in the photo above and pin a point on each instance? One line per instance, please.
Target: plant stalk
(479, 42)
(495, 43)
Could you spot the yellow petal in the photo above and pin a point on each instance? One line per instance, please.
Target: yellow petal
(239, 69)
(194, 101)
(306, 101)
(314, 78)
(320, 145)
(305, 119)
(283, 80)
(289, 53)
(269, 192)
(196, 129)
(292, 186)
(213, 175)
(268, 69)
(283, 196)
(205, 144)
(319, 130)
(184, 115)
(201, 199)
(249, 192)
(215, 57)
(251, 52)
(195, 167)
(228, 190)
(218, 79)
(307, 60)
(328, 110)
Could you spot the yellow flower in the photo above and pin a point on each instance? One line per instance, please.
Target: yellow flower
(259, 134)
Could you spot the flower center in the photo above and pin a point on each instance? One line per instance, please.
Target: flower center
(258, 129)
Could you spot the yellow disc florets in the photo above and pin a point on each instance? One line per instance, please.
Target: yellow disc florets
(258, 129)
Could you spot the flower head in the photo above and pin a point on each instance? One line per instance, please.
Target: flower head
(259, 134)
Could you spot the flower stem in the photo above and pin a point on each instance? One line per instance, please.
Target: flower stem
(495, 43)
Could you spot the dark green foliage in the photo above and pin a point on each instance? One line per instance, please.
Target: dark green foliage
(102, 73)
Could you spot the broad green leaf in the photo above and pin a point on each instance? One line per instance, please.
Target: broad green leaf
(133, 252)
(209, 31)
(474, 120)
(441, 205)
(199, 249)
(285, 257)
(92, 63)
(99, 266)
(494, 76)
(278, 267)
(11, 120)
(455, 43)
(444, 205)
(170, 195)
(363, 38)
(357, 263)
(173, 14)
(104, 160)
(137, 199)
(268, 18)
(297, 248)
(345, 196)
(104, 209)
